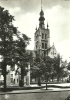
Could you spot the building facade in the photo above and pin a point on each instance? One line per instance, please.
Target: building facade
(13, 76)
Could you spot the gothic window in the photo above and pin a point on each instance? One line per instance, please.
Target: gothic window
(14, 81)
(45, 36)
(42, 35)
(36, 46)
(43, 45)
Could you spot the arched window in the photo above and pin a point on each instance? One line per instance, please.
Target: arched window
(43, 45)
(45, 36)
(42, 35)
(14, 81)
(36, 46)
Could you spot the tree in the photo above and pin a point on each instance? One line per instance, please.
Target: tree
(22, 61)
(35, 68)
(11, 50)
(46, 67)
(6, 39)
(58, 69)
(22, 57)
(68, 67)
(42, 67)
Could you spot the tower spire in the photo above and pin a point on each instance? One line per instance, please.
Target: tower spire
(41, 4)
(41, 18)
(47, 25)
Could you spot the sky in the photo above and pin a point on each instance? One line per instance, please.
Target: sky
(56, 13)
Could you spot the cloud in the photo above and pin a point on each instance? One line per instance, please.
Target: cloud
(64, 48)
(58, 18)
(33, 5)
(15, 10)
(59, 24)
(26, 5)
(26, 24)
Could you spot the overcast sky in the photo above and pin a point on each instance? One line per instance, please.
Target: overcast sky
(56, 12)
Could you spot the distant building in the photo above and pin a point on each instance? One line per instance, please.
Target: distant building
(13, 76)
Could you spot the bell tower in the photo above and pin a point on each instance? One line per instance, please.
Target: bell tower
(41, 35)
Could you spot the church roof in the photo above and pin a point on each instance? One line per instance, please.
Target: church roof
(50, 48)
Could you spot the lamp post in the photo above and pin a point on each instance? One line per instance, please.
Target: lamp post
(44, 62)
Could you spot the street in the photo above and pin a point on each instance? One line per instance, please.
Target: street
(42, 95)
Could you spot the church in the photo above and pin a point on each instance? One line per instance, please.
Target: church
(42, 39)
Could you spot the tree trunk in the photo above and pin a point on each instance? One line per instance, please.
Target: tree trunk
(52, 78)
(21, 73)
(39, 81)
(62, 77)
(21, 83)
(5, 87)
(46, 83)
(57, 78)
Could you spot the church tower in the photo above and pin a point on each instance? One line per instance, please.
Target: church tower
(41, 35)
